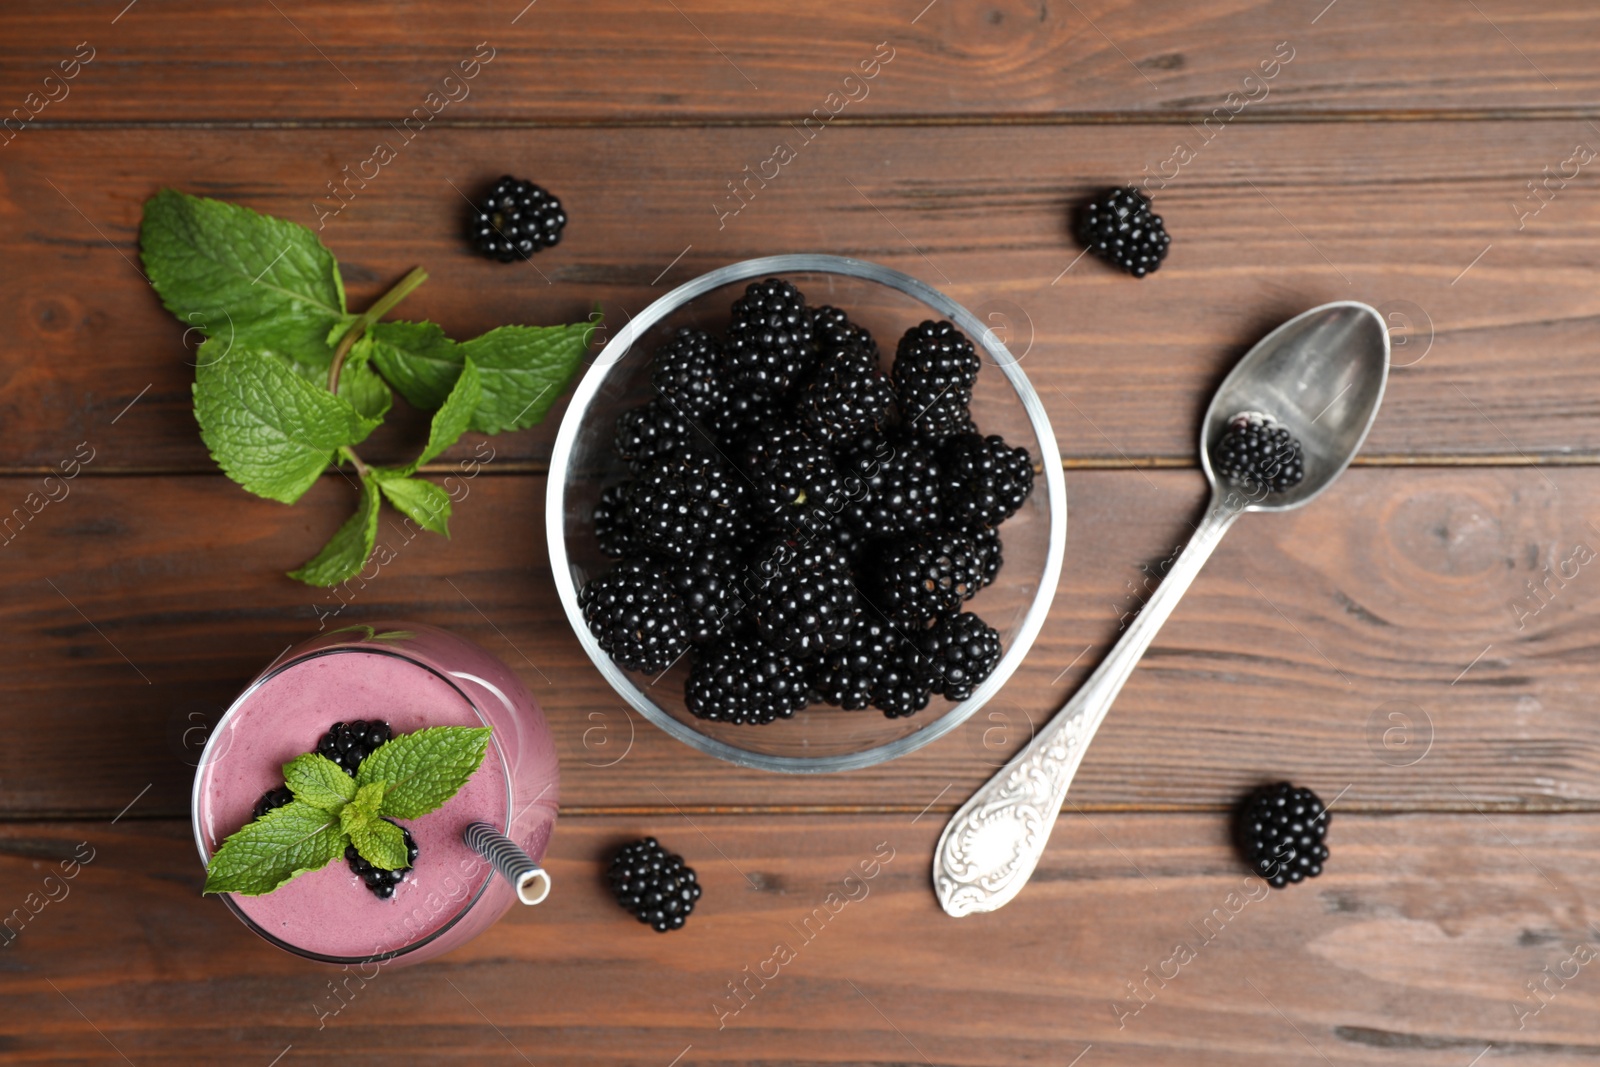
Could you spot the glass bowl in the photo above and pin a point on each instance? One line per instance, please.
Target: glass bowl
(819, 738)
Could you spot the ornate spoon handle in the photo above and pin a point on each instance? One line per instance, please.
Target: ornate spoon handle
(990, 847)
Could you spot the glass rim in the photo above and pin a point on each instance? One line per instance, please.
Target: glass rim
(806, 263)
(274, 670)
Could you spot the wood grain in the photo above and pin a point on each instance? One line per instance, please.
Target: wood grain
(1383, 641)
(1414, 947)
(1497, 361)
(697, 60)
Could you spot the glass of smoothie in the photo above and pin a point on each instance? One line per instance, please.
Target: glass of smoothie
(410, 676)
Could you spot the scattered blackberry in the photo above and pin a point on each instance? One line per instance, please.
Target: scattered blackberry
(654, 884)
(612, 526)
(934, 369)
(348, 743)
(711, 585)
(680, 502)
(985, 479)
(688, 375)
(271, 800)
(961, 651)
(1280, 830)
(901, 489)
(846, 398)
(652, 430)
(989, 553)
(636, 616)
(1257, 454)
(769, 340)
(1119, 228)
(514, 220)
(380, 881)
(802, 595)
(905, 682)
(741, 680)
(922, 579)
(795, 480)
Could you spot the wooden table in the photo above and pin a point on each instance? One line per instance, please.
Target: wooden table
(1419, 644)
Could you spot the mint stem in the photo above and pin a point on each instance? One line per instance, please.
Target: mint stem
(384, 304)
(361, 468)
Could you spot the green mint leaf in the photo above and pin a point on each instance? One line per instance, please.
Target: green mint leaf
(424, 769)
(381, 844)
(268, 428)
(454, 415)
(266, 853)
(417, 359)
(361, 385)
(349, 547)
(318, 781)
(423, 502)
(523, 368)
(242, 277)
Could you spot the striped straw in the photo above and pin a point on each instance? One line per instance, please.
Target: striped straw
(527, 877)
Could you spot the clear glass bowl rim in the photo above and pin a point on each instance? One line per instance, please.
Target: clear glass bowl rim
(806, 263)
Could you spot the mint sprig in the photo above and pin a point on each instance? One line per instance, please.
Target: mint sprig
(289, 380)
(416, 773)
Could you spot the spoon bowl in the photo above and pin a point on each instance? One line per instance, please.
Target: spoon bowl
(1321, 375)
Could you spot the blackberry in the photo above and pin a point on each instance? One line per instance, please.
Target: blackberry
(271, 800)
(795, 480)
(514, 220)
(829, 324)
(989, 554)
(846, 398)
(961, 652)
(934, 369)
(711, 585)
(1118, 227)
(740, 680)
(688, 374)
(901, 494)
(612, 526)
(1258, 455)
(803, 598)
(651, 430)
(739, 414)
(654, 884)
(636, 616)
(1279, 830)
(769, 344)
(845, 676)
(985, 479)
(348, 743)
(380, 881)
(921, 579)
(905, 682)
(680, 502)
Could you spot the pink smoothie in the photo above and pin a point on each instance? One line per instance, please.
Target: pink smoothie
(425, 678)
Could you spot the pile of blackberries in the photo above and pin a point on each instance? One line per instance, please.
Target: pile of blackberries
(802, 525)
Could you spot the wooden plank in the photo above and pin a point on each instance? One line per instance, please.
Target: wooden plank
(612, 60)
(1499, 363)
(1383, 642)
(1417, 946)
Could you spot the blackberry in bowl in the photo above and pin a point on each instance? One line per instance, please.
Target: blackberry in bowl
(794, 374)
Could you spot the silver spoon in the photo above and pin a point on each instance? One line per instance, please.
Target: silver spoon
(1321, 375)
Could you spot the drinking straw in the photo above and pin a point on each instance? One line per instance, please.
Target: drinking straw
(526, 877)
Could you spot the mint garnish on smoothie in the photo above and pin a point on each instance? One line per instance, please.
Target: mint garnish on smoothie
(404, 778)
